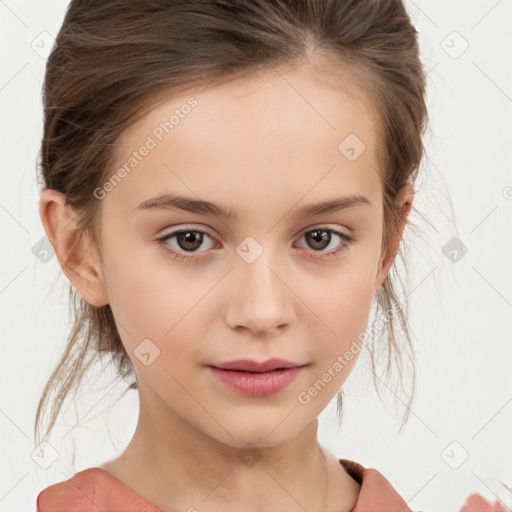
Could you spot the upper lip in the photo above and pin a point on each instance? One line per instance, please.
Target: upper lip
(250, 365)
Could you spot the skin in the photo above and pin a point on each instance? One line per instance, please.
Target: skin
(265, 145)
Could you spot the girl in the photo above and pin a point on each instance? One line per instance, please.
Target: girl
(226, 185)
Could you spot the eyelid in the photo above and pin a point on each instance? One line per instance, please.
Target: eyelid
(166, 232)
(301, 232)
(327, 226)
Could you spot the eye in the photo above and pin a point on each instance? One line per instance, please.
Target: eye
(188, 240)
(321, 238)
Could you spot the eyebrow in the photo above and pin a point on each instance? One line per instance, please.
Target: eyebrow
(174, 202)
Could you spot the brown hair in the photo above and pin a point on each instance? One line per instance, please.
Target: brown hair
(113, 59)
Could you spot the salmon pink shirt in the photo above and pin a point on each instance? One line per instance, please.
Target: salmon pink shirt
(93, 489)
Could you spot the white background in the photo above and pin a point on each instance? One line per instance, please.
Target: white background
(461, 312)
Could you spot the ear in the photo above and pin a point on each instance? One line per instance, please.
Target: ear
(404, 202)
(77, 257)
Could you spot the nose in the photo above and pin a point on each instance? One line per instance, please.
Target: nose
(259, 297)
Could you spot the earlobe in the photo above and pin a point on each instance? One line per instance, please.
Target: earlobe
(72, 248)
(404, 200)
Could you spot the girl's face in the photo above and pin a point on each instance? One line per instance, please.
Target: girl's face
(272, 279)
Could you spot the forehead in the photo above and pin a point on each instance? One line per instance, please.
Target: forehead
(275, 131)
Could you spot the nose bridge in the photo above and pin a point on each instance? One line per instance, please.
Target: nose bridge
(263, 300)
(257, 266)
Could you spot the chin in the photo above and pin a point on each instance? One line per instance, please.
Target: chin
(269, 431)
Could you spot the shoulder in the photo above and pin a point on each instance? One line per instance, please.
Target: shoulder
(376, 493)
(75, 495)
(90, 490)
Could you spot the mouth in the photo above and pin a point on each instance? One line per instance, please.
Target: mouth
(249, 365)
(256, 379)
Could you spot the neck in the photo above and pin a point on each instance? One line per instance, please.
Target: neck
(291, 477)
(175, 466)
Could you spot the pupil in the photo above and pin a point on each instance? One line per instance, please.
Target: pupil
(320, 236)
(190, 240)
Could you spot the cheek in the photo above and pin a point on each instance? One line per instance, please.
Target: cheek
(335, 319)
(154, 323)
(147, 297)
(343, 308)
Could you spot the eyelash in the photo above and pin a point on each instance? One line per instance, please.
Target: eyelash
(164, 246)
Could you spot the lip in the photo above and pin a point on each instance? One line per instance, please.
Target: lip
(249, 365)
(258, 382)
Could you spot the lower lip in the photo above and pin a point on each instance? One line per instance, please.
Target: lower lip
(256, 384)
